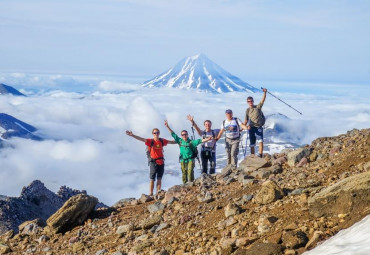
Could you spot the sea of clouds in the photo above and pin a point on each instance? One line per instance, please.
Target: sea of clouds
(83, 120)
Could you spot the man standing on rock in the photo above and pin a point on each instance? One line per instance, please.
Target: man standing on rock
(188, 149)
(208, 151)
(232, 128)
(254, 120)
(155, 157)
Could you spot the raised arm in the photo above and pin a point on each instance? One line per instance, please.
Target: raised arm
(129, 133)
(191, 119)
(168, 127)
(264, 95)
(173, 134)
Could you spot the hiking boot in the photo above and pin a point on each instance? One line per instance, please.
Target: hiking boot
(259, 155)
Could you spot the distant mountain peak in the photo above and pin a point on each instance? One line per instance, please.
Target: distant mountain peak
(13, 127)
(201, 73)
(5, 89)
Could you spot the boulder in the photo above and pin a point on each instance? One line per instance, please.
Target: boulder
(7, 236)
(30, 227)
(162, 226)
(4, 249)
(123, 229)
(145, 198)
(296, 155)
(206, 198)
(302, 162)
(150, 222)
(34, 202)
(232, 209)
(261, 249)
(262, 173)
(295, 240)
(73, 213)
(174, 192)
(225, 172)
(269, 192)
(252, 163)
(157, 206)
(123, 202)
(342, 197)
(279, 161)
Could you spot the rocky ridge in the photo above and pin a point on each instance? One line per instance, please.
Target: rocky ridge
(34, 202)
(285, 203)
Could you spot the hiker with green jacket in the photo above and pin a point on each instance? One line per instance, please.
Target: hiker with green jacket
(188, 148)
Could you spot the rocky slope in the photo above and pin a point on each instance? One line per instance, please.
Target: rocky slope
(35, 202)
(285, 203)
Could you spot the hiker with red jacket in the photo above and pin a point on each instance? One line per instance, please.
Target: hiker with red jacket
(155, 156)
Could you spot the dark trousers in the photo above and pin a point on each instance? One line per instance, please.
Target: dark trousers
(211, 157)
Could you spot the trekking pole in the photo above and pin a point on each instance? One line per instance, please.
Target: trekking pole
(246, 144)
(193, 137)
(241, 142)
(283, 102)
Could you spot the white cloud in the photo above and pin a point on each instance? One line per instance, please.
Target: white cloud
(87, 148)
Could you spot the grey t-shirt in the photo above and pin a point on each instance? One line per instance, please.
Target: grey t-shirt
(211, 144)
(254, 115)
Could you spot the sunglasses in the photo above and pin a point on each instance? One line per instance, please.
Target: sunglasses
(184, 134)
(155, 133)
(249, 101)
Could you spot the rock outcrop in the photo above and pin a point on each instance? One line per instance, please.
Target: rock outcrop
(270, 192)
(343, 197)
(73, 213)
(35, 202)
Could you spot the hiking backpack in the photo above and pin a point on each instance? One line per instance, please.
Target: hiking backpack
(263, 116)
(194, 150)
(213, 135)
(149, 150)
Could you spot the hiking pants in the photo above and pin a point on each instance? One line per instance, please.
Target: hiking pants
(232, 150)
(205, 157)
(187, 168)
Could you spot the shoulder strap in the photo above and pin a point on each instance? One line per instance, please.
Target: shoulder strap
(161, 140)
(237, 123)
(247, 113)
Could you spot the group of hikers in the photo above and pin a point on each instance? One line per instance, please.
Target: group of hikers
(231, 126)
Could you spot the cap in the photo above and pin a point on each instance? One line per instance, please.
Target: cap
(228, 111)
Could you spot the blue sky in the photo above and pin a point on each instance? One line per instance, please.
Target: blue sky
(255, 40)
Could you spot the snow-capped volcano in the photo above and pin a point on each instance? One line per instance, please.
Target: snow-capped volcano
(199, 72)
